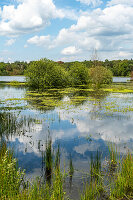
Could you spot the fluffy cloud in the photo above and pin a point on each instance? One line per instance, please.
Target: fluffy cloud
(109, 30)
(106, 30)
(10, 42)
(39, 41)
(115, 2)
(94, 3)
(29, 15)
(70, 50)
(124, 54)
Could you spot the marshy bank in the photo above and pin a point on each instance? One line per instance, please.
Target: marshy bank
(113, 180)
(81, 120)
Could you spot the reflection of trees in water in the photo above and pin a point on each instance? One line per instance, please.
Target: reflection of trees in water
(98, 97)
(44, 101)
(7, 124)
(12, 124)
(54, 98)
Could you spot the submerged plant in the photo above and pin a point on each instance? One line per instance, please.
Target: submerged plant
(95, 166)
(48, 159)
(113, 160)
(71, 168)
(57, 158)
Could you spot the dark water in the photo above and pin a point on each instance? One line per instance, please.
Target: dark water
(81, 129)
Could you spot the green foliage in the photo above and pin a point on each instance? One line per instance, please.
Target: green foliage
(123, 185)
(11, 178)
(118, 67)
(100, 75)
(111, 186)
(78, 73)
(11, 69)
(46, 73)
(14, 187)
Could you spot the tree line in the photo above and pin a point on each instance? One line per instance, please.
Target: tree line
(12, 69)
(118, 67)
(45, 73)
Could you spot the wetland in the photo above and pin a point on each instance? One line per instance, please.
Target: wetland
(80, 120)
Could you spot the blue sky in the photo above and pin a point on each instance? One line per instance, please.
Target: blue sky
(66, 30)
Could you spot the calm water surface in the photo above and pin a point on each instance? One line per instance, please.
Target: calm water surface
(12, 78)
(81, 129)
(22, 79)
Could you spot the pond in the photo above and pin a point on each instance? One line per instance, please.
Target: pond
(22, 79)
(121, 79)
(81, 121)
(12, 78)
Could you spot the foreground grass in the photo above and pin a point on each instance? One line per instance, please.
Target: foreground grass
(13, 185)
(124, 183)
(115, 184)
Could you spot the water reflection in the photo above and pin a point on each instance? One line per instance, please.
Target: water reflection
(12, 78)
(82, 122)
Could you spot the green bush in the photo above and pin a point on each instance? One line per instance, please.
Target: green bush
(100, 75)
(78, 74)
(46, 73)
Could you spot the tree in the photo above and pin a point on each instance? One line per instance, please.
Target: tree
(46, 73)
(100, 75)
(78, 74)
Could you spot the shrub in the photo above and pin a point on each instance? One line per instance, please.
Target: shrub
(78, 74)
(100, 75)
(46, 73)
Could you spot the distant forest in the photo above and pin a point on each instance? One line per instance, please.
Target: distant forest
(118, 67)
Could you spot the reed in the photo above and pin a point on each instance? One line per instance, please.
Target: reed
(71, 167)
(105, 186)
(123, 185)
(11, 178)
(14, 187)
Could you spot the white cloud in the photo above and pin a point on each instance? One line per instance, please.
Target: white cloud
(29, 15)
(124, 54)
(105, 29)
(71, 50)
(1, 59)
(109, 30)
(69, 58)
(115, 2)
(10, 42)
(39, 41)
(94, 3)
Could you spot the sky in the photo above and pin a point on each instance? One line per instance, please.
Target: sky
(66, 30)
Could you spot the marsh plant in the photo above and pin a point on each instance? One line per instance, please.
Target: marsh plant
(105, 186)
(48, 160)
(123, 185)
(95, 169)
(71, 167)
(11, 177)
(13, 184)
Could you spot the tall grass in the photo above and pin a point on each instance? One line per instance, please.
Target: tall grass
(11, 178)
(14, 187)
(123, 185)
(105, 186)
(71, 167)
(48, 159)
